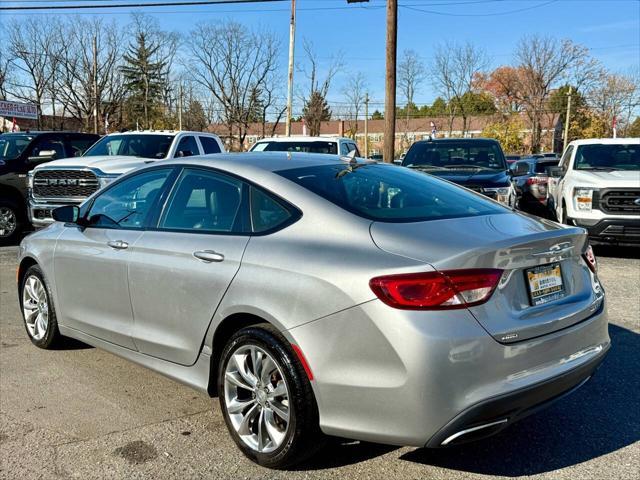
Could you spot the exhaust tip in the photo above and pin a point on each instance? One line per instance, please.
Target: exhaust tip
(458, 436)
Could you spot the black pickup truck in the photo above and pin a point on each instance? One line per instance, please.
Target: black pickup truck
(21, 152)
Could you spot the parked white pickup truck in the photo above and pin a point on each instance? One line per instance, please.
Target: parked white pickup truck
(597, 186)
(72, 180)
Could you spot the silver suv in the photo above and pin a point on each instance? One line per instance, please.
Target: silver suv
(70, 181)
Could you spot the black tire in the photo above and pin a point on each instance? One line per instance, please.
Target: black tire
(16, 213)
(52, 337)
(303, 438)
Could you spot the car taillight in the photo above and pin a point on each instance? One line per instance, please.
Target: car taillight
(436, 290)
(590, 258)
(537, 180)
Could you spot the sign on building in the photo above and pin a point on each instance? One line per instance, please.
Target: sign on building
(18, 110)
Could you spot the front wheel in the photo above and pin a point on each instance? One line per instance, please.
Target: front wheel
(37, 309)
(266, 398)
(10, 222)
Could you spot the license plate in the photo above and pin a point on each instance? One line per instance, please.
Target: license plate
(545, 283)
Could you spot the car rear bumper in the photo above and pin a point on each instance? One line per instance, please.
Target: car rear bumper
(616, 231)
(416, 378)
(495, 414)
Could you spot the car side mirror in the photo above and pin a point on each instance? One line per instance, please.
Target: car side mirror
(398, 161)
(43, 156)
(66, 214)
(555, 172)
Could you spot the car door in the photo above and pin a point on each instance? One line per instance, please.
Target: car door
(179, 272)
(556, 184)
(90, 262)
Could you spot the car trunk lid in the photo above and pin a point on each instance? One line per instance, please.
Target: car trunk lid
(516, 244)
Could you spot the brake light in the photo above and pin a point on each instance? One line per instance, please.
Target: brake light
(436, 290)
(590, 258)
(537, 180)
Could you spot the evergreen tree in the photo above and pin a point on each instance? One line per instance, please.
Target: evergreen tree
(315, 111)
(143, 76)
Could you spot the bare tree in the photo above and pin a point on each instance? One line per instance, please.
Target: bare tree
(615, 96)
(355, 90)
(543, 63)
(411, 74)
(453, 71)
(5, 64)
(74, 78)
(32, 45)
(234, 65)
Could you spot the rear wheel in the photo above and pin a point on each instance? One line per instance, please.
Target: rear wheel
(266, 399)
(10, 222)
(37, 309)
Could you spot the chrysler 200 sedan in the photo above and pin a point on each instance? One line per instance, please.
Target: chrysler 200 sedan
(317, 296)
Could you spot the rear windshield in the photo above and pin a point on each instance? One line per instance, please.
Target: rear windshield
(390, 194)
(608, 157)
(293, 146)
(541, 167)
(12, 146)
(455, 155)
(145, 146)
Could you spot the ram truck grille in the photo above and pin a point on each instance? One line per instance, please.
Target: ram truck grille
(64, 184)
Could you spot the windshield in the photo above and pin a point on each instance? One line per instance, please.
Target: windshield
(390, 194)
(12, 146)
(455, 156)
(145, 146)
(293, 146)
(608, 157)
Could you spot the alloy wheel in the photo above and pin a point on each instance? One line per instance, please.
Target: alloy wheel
(257, 398)
(8, 221)
(35, 307)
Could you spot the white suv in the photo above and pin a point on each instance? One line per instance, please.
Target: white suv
(329, 145)
(597, 186)
(72, 180)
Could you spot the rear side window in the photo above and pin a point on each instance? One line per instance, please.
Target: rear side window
(266, 212)
(294, 146)
(77, 146)
(541, 167)
(390, 194)
(209, 145)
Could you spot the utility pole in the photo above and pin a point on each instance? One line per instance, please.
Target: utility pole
(180, 106)
(390, 82)
(566, 122)
(366, 125)
(95, 85)
(292, 41)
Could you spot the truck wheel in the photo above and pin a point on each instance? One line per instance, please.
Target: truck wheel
(11, 222)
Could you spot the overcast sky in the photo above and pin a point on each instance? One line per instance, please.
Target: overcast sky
(610, 28)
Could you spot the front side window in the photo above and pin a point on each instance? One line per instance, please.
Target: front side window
(390, 194)
(133, 145)
(187, 147)
(209, 145)
(46, 145)
(127, 204)
(344, 149)
(266, 212)
(455, 156)
(607, 157)
(204, 202)
(77, 146)
(12, 146)
(566, 157)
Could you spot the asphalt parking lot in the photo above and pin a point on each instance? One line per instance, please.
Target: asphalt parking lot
(80, 412)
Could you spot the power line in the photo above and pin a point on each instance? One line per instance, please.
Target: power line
(134, 5)
(494, 14)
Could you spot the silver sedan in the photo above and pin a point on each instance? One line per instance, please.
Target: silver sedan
(317, 296)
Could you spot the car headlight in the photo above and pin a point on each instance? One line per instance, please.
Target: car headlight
(106, 180)
(583, 198)
(502, 194)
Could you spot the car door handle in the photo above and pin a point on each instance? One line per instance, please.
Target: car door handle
(118, 244)
(208, 256)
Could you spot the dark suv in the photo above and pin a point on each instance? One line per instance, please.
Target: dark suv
(21, 152)
(475, 163)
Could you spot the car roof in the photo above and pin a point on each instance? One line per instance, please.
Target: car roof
(303, 138)
(458, 140)
(162, 132)
(48, 132)
(263, 161)
(606, 141)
